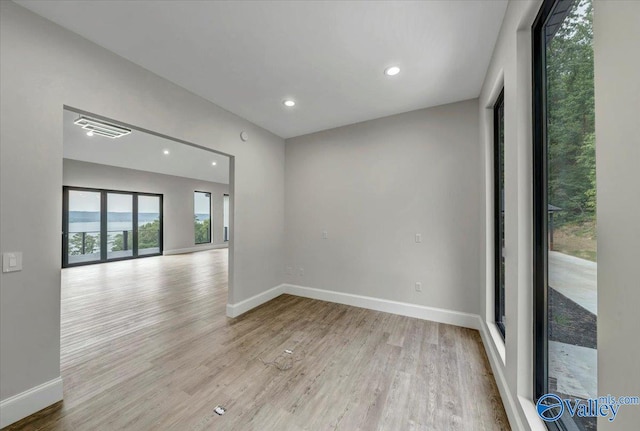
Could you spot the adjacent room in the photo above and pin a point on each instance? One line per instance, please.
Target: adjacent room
(309, 215)
(151, 195)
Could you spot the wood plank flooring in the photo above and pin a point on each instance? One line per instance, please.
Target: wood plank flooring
(146, 345)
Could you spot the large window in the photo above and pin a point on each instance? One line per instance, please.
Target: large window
(82, 226)
(498, 181)
(149, 225)
(225, 216)
(564, 209)
(119, 225)
(202, 217)
(105, 225)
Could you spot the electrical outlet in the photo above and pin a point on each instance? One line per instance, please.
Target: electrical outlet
(325, 234)
(418, 286)
(301, 271)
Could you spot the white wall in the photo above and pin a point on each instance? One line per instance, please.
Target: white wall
(617, 95)
(178, 228)
(373, 186)
(44, 67)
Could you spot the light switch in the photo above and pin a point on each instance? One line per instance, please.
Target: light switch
(325, 234)
(418, 237)
(12, 261)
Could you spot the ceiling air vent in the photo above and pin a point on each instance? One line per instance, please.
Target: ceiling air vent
(102, 128)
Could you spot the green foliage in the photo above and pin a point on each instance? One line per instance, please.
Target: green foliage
(587, 162)
(571, 117)
(118, 242)
(148, 237)
(91, 244)
(202, 231)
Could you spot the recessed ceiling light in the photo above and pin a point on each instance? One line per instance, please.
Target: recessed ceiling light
(392, 70)
(166, 152)
(214, 163)
(289, 103)
(89, 133)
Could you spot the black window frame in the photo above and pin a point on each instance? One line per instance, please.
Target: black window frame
(103, 225)
(225, 229)
(209, 194)
(540, 202)
(498, 210)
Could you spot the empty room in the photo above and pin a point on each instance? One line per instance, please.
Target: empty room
(310, 215)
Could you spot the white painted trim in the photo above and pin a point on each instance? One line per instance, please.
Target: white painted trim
(498, 341)
(497, 366)
(30, 401)
(194, 249)
(498, 86)
(532, 418)
(235, 310)
(439, 315)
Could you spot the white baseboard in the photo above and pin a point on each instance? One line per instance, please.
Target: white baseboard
(439, 315)
(195, 248)
(30, 401)
(423, 312)
(235, 310)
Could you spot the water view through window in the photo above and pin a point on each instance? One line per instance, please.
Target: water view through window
(84, 215)
(101, 225)
(202, 217)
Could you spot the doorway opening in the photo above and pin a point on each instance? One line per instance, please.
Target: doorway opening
(147, 241)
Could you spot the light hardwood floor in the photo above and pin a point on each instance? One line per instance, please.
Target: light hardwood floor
(146, 345)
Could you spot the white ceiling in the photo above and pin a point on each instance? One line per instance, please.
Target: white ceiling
(144, 152)
(247, 56)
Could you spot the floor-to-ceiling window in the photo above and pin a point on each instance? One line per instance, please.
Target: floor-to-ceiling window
(149, 224)
(564, 212)
(82, 226)
(225, 216)
(105, 225)
(202, 217)
(498, 181)
(119, 225)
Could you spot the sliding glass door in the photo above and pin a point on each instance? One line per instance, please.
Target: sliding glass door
(119, 225)
(149, 225)
(83, 221)
(106, 225)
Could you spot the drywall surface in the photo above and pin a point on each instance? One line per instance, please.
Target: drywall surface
(616, 31)
(44, 67)
(178, 227)
(372, 187)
